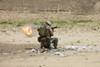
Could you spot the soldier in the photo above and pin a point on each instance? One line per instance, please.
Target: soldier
(45, 33)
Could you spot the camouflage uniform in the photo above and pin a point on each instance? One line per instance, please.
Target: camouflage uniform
(47, 41)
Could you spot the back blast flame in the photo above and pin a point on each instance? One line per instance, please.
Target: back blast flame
(29, 30)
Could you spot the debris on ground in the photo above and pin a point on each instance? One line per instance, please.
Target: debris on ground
(5, 53)
(33, 50)
(59, 54)
(59, 51)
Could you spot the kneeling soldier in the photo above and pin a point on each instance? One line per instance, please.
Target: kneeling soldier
(45, 33)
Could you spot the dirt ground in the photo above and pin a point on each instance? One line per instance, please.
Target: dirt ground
(15, 49)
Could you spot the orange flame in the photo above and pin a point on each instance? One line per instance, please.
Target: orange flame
(27, 30)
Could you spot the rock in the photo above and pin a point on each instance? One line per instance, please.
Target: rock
(59, 54)
(33, 50)
(70, 47)
(5, 53)
(75, 47)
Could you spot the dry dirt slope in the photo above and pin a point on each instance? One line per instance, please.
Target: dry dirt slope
(33, 6)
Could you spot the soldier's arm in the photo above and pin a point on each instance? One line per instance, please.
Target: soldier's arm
(51, 31)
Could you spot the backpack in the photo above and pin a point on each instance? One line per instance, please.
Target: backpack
(44, 34)
(42, 31)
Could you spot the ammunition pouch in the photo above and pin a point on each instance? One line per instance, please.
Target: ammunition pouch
(40, 39)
